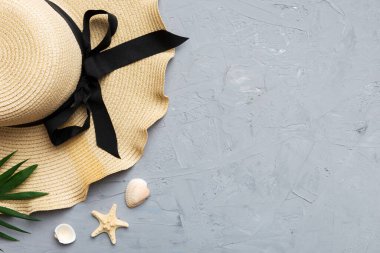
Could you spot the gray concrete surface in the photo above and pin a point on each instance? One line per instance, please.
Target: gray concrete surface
(271, 143)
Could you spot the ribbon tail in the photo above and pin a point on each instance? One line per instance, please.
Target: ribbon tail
(105, 133)
(130, 52)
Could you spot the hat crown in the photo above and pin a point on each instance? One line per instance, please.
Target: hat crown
(40, 61)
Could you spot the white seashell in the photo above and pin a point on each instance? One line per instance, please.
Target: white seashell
(137, 192)
(65, 233)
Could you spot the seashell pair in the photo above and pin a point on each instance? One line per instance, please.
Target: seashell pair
(137, 192)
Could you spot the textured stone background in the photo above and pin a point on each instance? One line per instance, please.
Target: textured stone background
(271, 143)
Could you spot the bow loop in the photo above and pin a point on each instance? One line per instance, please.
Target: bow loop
(111, 30)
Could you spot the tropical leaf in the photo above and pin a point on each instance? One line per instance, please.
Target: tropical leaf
(5, 159)
(6, 175)
(7, 237)
(7, 225)
(17, 179)
(9, 181)
(22, 195)
(13, 213)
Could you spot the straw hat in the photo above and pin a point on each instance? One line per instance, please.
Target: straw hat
(41, 64)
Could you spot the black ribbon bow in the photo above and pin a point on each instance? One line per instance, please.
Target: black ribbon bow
(97, 63)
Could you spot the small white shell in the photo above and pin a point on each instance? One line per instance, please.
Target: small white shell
(65, 233)
(137, 192)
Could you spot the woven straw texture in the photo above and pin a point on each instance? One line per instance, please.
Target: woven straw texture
(134, 96)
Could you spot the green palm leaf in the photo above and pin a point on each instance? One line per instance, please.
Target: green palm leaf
(5, 159)
(17, 179)
(9, 181)
(13, 213)
(6, 175)
(7, 237)
(7, 225)
(22, 195)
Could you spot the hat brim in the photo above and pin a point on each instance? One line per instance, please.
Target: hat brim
(134, 96)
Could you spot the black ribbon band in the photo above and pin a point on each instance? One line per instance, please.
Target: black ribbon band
(97, 63)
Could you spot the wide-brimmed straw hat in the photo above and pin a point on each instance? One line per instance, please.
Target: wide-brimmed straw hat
(80, 84)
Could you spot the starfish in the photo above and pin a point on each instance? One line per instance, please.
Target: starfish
(108, 223)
